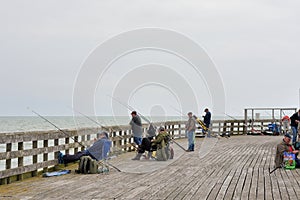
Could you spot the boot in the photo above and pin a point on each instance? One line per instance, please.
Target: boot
(137, 157)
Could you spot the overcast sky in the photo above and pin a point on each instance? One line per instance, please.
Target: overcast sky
(254, 44)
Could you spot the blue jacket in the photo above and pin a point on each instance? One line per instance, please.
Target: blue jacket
(100, 149)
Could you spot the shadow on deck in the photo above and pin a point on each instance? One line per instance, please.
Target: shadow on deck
(235, 168)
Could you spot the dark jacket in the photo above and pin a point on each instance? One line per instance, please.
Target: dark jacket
(282, 147)
(207, 118)
(293, 118)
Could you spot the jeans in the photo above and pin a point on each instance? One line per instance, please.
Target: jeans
(294, 129)
(72, 158)
(191, 140)
(208, 131)
(137, 140)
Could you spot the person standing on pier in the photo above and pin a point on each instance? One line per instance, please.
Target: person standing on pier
(190, 131)
(206, 120)
(136, 126)
(295, 119)
(286, 123)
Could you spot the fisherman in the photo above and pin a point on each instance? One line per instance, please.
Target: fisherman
(285, 146)
(190, 131)
(143, 147)
(136, 126)
(286, 123)
(206, 120)
(160, 143)
(295, 119)
(98, 150)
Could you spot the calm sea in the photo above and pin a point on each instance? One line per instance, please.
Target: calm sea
(28, 123)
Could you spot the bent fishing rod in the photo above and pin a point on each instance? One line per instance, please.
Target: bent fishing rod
(64, 132)
(100, 125)
(130, 108)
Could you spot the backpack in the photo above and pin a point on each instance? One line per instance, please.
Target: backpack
(87, 165)
(289, 160)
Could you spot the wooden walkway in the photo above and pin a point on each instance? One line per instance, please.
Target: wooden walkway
(235, 168)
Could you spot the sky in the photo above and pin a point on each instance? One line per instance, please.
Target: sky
(45, 45)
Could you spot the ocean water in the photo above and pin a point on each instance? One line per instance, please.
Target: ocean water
(32, 123)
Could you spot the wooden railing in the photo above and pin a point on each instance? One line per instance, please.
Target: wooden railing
(26, 154)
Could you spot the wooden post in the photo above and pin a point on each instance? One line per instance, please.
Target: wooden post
(67, 141)
(45, 156)
(8, 163)
(34, 157)
(20, 160)
(245, 121)
(76, 148)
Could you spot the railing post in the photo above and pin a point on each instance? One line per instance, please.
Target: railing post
(8, 163)
(76, 148)
(45, 155)
(20, 160)
(34, 157)
(67, 141)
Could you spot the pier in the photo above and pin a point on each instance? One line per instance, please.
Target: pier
(219, 168)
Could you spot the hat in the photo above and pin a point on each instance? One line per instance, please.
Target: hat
(133, 112)
(287, 135)
(103, 133)
(161, 128)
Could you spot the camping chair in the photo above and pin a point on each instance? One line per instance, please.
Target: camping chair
(103, 163)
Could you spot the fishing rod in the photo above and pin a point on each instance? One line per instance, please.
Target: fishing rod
(229, 116)
(64, 132)
(130, 108)
(67, 134)
(91, 119)
(107, 163)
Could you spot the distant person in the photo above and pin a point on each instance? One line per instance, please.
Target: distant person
(207, 120)
(136, 126)
(285, 146)
(286, 123)
(295, 119)
(98, 150)
(190, 131)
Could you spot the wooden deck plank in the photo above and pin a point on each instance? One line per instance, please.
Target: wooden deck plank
(226, 164)
(227, 192)
(223, 183)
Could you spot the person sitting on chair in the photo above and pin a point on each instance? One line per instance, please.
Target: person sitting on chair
(285, 146)
(98, 150)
